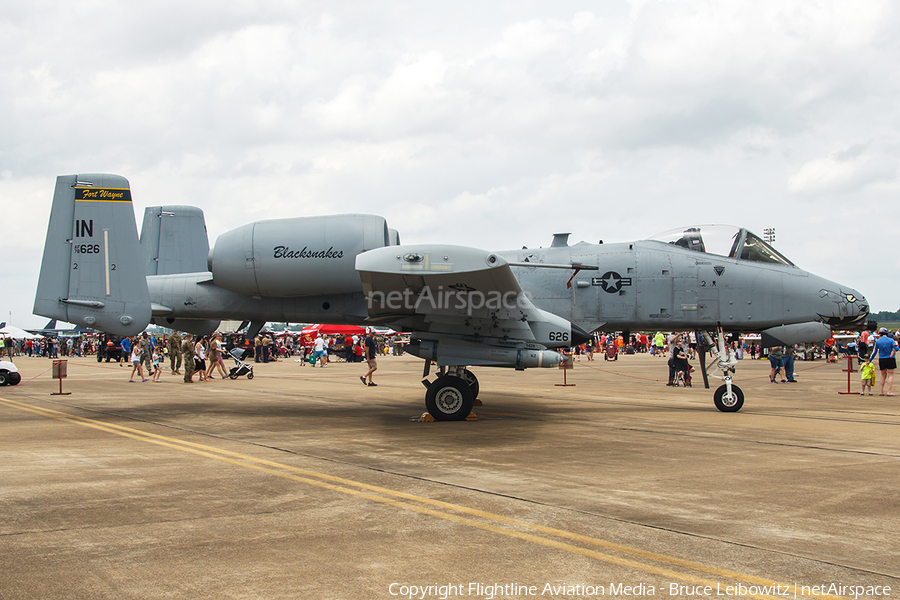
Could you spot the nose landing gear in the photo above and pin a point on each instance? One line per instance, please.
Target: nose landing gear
(728, 397)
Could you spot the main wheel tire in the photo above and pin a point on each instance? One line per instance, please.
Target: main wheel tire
(470, 378)
(4, 377)
(727, 403)
(449, 398)
(14, 378)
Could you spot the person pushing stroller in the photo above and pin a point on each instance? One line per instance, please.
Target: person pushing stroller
(679, 368)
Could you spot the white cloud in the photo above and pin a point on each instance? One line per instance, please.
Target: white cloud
(613, 121)
(849, 171)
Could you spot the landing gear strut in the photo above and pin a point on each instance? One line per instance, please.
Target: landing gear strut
(728, 397)
(451, 396)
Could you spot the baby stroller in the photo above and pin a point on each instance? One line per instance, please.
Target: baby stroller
(240, 367)
(612, 351)
(683, 374)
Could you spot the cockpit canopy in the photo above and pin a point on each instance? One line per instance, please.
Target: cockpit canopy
(724, 240)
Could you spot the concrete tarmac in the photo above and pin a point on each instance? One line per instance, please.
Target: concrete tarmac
(303, 483)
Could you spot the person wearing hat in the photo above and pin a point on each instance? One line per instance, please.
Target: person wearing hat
(885, 348)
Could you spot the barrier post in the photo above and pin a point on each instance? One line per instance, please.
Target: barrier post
(59, 372)
(565, 365)
(849, 370)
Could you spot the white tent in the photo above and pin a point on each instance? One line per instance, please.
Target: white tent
(17, 334)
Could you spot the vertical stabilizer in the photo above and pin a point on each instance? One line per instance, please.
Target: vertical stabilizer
(174, 240)
(91, 272)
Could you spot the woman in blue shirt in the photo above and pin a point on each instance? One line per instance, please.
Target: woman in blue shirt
(885, 348)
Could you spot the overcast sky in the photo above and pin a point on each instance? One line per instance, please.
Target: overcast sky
(488, 124)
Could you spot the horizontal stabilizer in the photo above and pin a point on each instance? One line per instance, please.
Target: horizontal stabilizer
(91, 272)
(174, 240)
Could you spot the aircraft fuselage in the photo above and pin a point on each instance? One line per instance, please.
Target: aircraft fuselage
(644, 285)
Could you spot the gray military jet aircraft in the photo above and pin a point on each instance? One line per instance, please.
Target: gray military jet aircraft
(51, 330)
(464, 306)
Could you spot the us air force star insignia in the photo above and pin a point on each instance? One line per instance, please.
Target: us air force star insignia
(611, 282)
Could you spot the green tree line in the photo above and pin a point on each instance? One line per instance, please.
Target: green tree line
(885, 316)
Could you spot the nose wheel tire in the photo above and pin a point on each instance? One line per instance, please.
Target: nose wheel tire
(729, 402)
(449, 398)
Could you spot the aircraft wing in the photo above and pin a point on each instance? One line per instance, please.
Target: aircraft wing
(453, 290)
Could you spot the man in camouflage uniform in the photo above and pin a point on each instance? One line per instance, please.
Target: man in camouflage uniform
(187, 349)
(175, 352)
(146, 352)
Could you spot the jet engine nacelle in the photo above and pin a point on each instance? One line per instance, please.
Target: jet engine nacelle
(195, 326)
(303, 256)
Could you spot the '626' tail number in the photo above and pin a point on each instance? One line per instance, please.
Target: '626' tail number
(559, 336)
(86, 248)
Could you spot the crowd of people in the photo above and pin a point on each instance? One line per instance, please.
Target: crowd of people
(49, 346)
(204, 356)
(317, 349)
(679, 348)
(200, 356)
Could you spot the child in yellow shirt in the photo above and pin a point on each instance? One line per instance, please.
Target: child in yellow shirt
(867, 374)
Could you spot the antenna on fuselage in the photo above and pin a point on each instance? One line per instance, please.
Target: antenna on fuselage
(560, 240)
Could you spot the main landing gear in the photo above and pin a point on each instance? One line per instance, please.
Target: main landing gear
(728, 397)
(452, 395)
